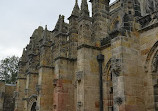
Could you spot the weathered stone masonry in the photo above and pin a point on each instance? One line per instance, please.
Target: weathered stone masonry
(59, 69)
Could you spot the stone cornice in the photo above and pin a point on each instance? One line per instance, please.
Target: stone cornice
(44, 66)
(88, 46)
(36, 73)
(65, 58)
(21, 78)
(93, 47)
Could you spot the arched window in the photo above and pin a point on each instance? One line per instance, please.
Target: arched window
(152, 69)
(109, 85)
(32, 103)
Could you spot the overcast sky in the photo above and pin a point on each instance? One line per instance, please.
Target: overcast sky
(19, 18)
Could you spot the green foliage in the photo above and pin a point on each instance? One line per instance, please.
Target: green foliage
(9, 69)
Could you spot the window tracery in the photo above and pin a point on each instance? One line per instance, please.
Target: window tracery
(155, 63)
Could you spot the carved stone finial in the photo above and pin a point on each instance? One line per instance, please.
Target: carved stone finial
(24, 50)
(76, 9)
(45, 35)
(118, 101)
(84, 8)
(61, 24)
(45, 27)
(149, 6)
(57, 24)
(45, 31)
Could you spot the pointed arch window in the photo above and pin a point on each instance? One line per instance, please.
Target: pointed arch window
(109, 85)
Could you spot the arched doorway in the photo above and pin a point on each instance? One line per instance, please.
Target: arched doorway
(33, 108)
(32, 103)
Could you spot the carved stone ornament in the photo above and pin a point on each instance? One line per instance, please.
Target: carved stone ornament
(75, 84)
(26, 91)
(79, 104)
(116, 67)
(118, 101)
(116, 71)
(38, 88)
(79, 75)
(55, 82)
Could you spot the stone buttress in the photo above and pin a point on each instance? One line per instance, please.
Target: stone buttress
(64, 62)
(87, 74)
(46, 74)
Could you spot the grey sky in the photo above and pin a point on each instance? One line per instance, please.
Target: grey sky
(19, 18)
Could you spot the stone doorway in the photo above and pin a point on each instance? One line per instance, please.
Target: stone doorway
(32, 103)
(33, 108)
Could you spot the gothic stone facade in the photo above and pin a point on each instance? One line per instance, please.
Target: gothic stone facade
(107, 62)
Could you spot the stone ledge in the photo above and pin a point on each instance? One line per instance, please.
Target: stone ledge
(21, 78)
(88, 46)
(93, 47)
(32, 73)
(51, 67)
(65, 58)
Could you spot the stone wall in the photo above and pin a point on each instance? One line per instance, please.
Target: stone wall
(9, 100)
(2, 92)
(88, 79)
(59, 70)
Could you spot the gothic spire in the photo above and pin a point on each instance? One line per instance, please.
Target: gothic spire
(61, 25)
(76, 9)
(84, 8)
(24, 51)
(45, 35)
(45, 31)
(57, 24)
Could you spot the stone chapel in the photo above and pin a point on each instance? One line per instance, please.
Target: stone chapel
(104, 62)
